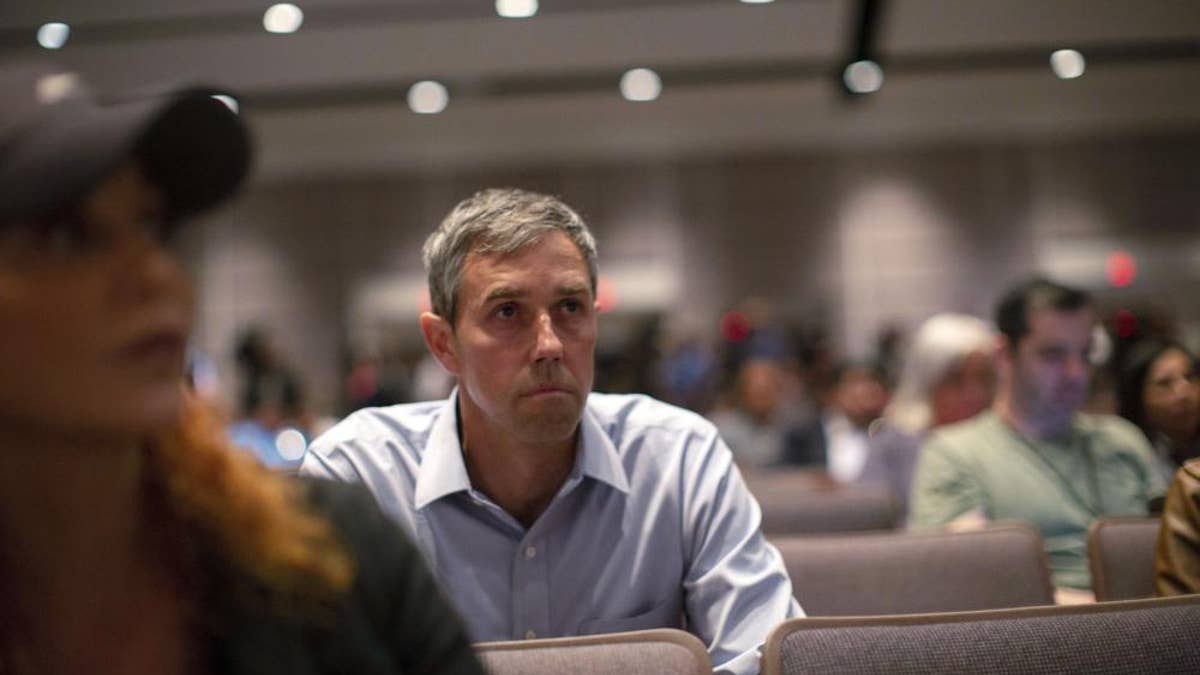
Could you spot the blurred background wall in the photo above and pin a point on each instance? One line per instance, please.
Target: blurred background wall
(855, 241)
(753, 172)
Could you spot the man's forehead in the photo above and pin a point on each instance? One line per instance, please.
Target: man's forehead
(529, 269)
(1055, 324)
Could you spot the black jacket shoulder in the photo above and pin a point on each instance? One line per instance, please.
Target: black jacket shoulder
(393, 620)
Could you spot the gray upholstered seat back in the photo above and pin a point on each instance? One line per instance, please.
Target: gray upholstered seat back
(798, 502)
(903, 573)
(1121, 557)
(662, 651)
(1140, 636)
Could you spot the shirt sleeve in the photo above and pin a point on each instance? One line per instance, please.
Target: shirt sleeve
(325, 459)
(942, 489)
(1177, 565)
(736, 589)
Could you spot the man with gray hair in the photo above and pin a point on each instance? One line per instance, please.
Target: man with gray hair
(545, 509)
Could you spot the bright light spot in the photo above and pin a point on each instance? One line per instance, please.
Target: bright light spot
(229, 101)
(516, 9)
(757, 2)
(56, 87)
(1067, 64)
(606, 295)
(863, 77)
(428, 97)
(641, 84)
(283, 18)
(53, 35)
(291, 444)
(1121, 269)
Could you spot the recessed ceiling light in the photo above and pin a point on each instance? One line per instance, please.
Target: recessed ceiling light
(1067, 64)
(428, 97)
(641, 84)
(863, 77)
(516, 9)
(53, 35)
(283, 18)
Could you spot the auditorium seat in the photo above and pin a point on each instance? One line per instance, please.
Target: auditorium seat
(803, 502)
(662, 651)
(905, 573)
(1133, 636)
(1121, 557)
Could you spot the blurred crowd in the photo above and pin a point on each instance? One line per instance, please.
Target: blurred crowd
(781, 394)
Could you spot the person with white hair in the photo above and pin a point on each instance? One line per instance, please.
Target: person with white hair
(948, 376)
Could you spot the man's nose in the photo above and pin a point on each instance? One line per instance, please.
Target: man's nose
(548, 346)
(1077, 367)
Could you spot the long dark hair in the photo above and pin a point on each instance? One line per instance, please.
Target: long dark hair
(1131, 381)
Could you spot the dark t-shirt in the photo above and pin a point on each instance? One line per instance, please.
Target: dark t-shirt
(394, 619)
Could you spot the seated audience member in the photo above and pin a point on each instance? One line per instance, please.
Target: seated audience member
(271, 400)
(1033, 456)
(548, 510)
(1177, 565)
(947, 376)
(756, 427)
(135, 539)
(838, 440)
(1160, 393)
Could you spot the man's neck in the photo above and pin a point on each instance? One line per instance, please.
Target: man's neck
(521, 478)
(1029, 425)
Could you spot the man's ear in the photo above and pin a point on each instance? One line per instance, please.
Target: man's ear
(439, 338)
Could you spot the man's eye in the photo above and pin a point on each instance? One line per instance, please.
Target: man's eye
(1054, 356)
(572, 306)
(506, 311)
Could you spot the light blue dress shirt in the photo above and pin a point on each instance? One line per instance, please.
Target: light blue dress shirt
(653, 527)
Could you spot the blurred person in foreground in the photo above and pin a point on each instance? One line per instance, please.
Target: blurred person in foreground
(838, 439)
(546, 509)
(134, 539)
(1159, 391)
(1177, 561)
(947, 376)
(1034, 456)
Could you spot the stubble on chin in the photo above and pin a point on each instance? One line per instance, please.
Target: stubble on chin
(550, 424)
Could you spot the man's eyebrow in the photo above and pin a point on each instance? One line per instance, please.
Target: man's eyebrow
(504, 293)
(574, 289)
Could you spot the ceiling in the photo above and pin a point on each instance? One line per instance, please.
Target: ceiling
(737, 78)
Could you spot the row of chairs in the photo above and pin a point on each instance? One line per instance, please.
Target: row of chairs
(1133, 636)
(805, 501)
(799, 505)
(969, 602)
(1000, 566)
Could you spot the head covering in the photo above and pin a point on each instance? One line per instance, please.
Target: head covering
(57, 141)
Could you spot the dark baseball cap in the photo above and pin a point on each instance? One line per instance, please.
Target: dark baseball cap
(57, 140)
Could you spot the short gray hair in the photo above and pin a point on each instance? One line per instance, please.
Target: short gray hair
(941, 343)
(498, 221)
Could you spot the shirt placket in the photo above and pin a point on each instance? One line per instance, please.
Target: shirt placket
(531, 587)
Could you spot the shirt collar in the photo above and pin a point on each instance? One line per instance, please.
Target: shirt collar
(598, 456)
(443, 471)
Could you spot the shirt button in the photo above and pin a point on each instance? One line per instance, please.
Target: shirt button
(529, 635)
(530, 552)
